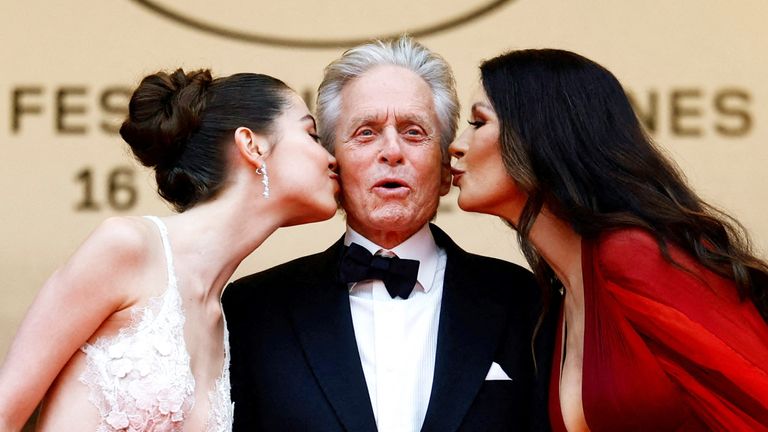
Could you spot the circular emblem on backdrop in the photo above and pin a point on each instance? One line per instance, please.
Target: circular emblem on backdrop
(321, 24)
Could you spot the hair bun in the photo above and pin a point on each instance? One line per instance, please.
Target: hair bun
(164, 111)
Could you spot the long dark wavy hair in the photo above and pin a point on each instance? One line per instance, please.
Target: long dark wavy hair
(572, 141)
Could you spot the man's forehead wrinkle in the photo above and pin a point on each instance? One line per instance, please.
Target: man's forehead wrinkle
(406, 115)
(368, 117)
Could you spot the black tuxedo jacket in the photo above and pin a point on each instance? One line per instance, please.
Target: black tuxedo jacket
(295, 364)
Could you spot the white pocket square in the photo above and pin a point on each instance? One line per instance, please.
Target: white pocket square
(496, 373)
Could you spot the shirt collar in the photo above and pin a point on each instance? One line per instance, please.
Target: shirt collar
(420, 246)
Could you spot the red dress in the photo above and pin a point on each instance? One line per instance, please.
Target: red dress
(664, 349)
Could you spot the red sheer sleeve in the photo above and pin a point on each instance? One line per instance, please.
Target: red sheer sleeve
(711, 344)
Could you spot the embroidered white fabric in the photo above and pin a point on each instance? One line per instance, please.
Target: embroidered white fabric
(141, 380)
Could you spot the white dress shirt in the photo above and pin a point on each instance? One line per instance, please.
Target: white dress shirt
(397, 338)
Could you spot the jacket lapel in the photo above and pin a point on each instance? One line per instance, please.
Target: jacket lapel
(323, 323)
(468, 334)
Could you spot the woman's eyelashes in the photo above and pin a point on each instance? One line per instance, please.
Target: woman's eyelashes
(476, 123)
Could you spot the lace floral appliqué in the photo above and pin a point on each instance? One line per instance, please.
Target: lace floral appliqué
(140, 379)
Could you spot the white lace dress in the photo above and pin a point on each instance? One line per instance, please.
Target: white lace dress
(141, 380)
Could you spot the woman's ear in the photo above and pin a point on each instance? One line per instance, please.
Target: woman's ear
(251, 146)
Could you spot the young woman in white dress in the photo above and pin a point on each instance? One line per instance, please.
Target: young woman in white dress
(129, 335)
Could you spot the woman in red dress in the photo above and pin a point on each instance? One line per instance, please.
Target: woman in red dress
(663, 307)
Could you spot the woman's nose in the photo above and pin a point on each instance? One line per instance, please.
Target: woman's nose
(457, 148)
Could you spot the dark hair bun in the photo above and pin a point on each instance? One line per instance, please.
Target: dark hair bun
(164, 111)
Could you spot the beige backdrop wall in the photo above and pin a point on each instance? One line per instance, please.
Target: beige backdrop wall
(696, 69)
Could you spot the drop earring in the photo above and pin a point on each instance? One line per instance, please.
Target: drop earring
(262, 171)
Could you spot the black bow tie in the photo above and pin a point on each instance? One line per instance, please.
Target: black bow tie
(398, 275)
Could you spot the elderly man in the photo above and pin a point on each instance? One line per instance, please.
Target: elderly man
(393, 328)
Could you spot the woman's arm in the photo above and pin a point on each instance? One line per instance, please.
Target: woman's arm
(68, 309)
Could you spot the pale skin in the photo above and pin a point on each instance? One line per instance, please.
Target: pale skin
(121, 265)
(388, 149)
(487, 188)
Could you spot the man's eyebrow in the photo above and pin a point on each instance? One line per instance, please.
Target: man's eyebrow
(364, 119)
(419, 119)
(377, 118)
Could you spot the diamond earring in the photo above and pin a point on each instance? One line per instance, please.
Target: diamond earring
(262, 171)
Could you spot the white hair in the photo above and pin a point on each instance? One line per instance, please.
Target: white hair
(404, 52)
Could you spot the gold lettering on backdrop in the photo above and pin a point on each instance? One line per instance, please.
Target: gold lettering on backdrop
(67, 107)
(681, 112)
(733, 105)
(694, 112)
(121, 192)
(22, 106)
(648, 110)
(685, 104)
(114, 101)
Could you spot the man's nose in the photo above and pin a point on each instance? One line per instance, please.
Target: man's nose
(391, 151)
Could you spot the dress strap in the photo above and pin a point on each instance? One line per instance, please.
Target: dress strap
(167, 248)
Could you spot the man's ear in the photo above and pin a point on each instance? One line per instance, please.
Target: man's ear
(445, 177)
(251, 146)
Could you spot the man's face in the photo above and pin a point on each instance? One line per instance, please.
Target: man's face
(388, 151)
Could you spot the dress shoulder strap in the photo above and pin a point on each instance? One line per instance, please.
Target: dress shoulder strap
(166, 248)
